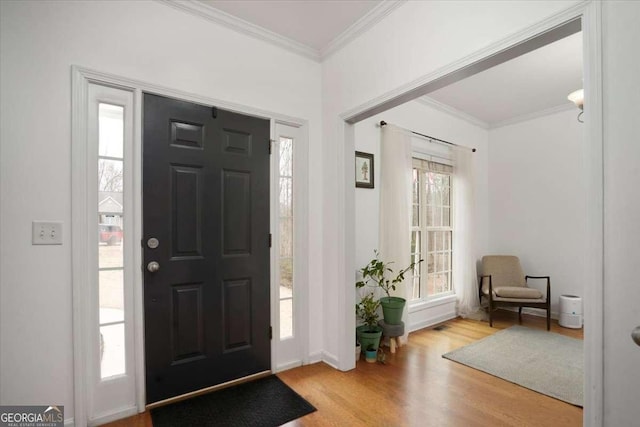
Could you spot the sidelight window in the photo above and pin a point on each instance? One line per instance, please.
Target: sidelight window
(285, 237)
(110, 230)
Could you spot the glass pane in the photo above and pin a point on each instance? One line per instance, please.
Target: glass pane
(110, 176)
(286, 237)
(416, 288)
(446, 194)
(110, 253)
(437, 217)
(286, 156)
(447, 241)
(415, 242)
(430, 186)
(446, 217)
(430, 263)
(110, 130)
(416, 187)
(286, 197)
(112, 360)
(111, 296)
(431, 284)
(415, 216)
(286, 277)
(286, 318)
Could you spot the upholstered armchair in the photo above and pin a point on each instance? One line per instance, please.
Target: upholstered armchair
(503, 283)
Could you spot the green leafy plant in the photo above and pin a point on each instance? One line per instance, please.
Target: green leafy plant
(367, 310)
(376, 272)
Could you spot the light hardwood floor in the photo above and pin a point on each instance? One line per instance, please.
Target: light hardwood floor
(417, 387)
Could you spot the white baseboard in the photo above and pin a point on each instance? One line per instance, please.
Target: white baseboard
(330, 359)
(533, 311)
(432, 321)
(288, 365)
(69, 422)
(114, 415)
(315, 357)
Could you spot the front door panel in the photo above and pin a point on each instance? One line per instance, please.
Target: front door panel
(206, 200)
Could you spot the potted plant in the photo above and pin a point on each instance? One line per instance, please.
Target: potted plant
(371, 354)
(369, 333)
(358, 350)
(376, 272)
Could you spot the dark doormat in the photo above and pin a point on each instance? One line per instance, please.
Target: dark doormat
(267, 402)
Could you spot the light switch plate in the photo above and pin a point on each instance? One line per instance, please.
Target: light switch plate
(46, 232)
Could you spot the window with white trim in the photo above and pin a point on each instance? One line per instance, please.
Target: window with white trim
(432, 229)
(285, 236)
(108, 150)
(110, 237)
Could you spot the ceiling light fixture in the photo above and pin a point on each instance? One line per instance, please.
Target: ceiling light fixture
(577, 97)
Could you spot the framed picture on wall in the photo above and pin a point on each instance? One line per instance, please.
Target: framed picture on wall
(364, 170)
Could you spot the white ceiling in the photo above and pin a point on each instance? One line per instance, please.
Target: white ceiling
(539, 80)
(314, 23)
(534, 82)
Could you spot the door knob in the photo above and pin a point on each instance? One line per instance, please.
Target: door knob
(153, 266)
(635, 335)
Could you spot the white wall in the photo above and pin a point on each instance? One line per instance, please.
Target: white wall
(537, 199)
(621, 68)
(39, 40)
(413, 41)
(427, 120)
(137, 39)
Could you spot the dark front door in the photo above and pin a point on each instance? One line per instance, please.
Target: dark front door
(206, 201)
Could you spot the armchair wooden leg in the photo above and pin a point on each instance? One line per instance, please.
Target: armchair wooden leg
(520, 314)
(548, 318)
(490, 313)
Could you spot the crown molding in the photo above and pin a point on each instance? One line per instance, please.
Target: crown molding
(240, 25)
(430, 102)
(362, 25)
(530, 116)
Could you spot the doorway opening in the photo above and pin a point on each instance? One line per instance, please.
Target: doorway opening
(587, 19)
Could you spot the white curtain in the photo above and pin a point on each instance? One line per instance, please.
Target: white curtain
(395, 204)
(464, 243)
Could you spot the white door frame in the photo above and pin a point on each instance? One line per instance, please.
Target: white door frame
(81, 77)
(589, 12)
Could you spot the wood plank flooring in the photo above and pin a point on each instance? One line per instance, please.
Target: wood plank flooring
(417, 387)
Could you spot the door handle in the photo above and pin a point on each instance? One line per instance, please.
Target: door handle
(635, 335)
(153, 266)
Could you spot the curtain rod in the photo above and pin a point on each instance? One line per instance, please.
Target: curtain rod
(433, 139)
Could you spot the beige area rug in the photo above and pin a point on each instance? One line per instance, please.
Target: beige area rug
(541, 361)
